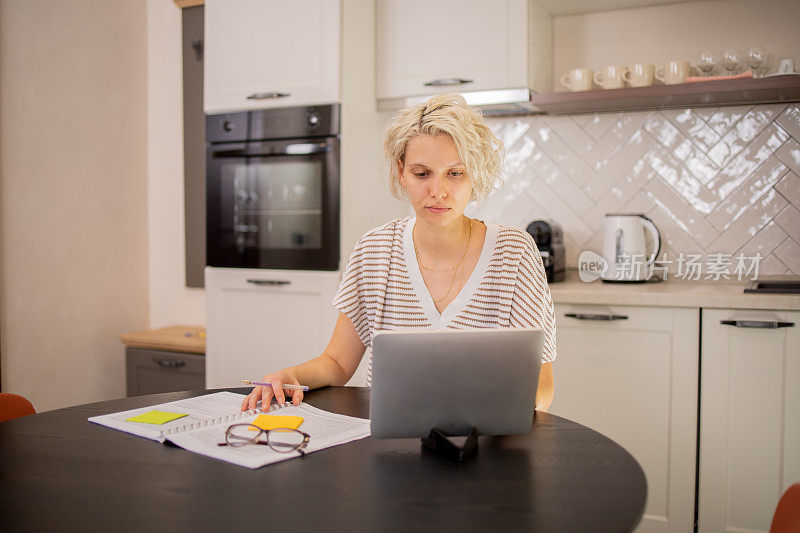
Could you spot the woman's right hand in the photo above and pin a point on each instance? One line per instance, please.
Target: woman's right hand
(265, 394)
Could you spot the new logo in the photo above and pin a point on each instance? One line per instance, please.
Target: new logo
(591, 266)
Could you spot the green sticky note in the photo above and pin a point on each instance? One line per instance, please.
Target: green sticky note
(155, 417)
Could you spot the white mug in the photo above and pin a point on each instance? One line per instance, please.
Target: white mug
(786, 66)
(673, 72)
(577, 79)
(610, 77)
(639, 75)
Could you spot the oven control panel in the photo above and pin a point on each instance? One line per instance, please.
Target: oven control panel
(275, 123)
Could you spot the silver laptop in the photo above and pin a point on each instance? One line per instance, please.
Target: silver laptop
(454, 381)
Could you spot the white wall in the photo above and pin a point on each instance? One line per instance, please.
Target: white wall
(678, 31)
(366, 201)
(73, 196)
(171, 302)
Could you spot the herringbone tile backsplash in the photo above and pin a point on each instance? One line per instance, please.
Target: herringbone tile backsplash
(714, 180)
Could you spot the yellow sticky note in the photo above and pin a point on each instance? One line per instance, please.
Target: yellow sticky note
(155, 417)
(276, 421)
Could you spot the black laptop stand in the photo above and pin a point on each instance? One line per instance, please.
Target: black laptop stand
(442, 446)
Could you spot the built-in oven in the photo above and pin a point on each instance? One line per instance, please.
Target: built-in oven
(272, 188)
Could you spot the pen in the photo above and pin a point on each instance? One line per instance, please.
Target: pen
(267, 384)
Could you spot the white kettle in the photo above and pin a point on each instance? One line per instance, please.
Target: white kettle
(625, 247)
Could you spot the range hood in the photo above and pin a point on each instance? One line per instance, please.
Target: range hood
(492, 103)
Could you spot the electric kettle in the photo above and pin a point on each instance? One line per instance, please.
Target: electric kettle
(628, 254)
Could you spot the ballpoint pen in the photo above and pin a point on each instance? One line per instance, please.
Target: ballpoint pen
(267, 384)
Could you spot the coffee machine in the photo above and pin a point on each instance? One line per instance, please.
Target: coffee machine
(549, 239)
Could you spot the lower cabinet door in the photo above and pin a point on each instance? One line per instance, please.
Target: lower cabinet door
(261, 321)
(150, 371)
(631, 373)
(750, 417)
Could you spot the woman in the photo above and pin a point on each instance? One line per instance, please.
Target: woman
(440, 269)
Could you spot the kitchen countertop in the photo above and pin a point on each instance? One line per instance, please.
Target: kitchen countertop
(708, 294)
(190, 339)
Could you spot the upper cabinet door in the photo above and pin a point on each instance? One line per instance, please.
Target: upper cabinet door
(269, 53)
(435, 46)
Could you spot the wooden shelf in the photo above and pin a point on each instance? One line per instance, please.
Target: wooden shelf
(774, 89)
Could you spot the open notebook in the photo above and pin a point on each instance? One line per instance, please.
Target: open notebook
(207, 417)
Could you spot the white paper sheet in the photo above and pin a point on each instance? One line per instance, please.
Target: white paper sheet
(209, 416)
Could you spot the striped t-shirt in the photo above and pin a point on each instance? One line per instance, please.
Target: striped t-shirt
(382, 287)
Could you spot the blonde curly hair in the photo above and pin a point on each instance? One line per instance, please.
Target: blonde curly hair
(481, 152)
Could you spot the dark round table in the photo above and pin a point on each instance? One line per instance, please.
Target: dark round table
(59, 472)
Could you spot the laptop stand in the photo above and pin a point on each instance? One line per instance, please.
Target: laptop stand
(441, 445)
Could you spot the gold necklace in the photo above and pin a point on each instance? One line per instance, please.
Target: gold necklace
(416, 252)
(450, 288)
(454, 269)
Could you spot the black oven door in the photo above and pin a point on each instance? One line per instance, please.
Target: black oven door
(274, 204)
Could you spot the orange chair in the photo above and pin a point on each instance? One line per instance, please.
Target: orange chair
(787, 515)
(14, 406)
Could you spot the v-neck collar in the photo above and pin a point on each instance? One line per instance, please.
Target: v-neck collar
(440, 320)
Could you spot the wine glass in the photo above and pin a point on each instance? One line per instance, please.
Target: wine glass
(731, 60)
(707, 62)
(759, 60)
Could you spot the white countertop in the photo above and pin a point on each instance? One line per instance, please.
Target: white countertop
(708, 294)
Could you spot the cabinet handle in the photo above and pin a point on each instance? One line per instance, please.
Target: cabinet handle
(443, 82)
(197, 46)
(270, 282)
(760, 324)
(265, 96)
(585, 316)
(169, 363)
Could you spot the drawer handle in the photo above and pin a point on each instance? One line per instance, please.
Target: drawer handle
(585, 316)
(760, 324)
(169, 363)
(444, 82)
(266, 96)
(270, 282)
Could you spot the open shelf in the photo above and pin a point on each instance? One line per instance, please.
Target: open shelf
(774, 89)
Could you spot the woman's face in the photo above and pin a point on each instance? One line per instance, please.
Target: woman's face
(435, 179)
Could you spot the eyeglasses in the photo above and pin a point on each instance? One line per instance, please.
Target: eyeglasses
(283, 440)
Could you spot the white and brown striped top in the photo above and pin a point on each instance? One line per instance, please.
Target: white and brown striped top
(382, 287)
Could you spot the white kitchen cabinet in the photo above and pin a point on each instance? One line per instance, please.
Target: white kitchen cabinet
(635, 380)
(749, 417)
(267, 53)
(433, 46)
(260, 321)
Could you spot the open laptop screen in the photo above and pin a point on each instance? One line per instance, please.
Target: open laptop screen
(454, 380)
